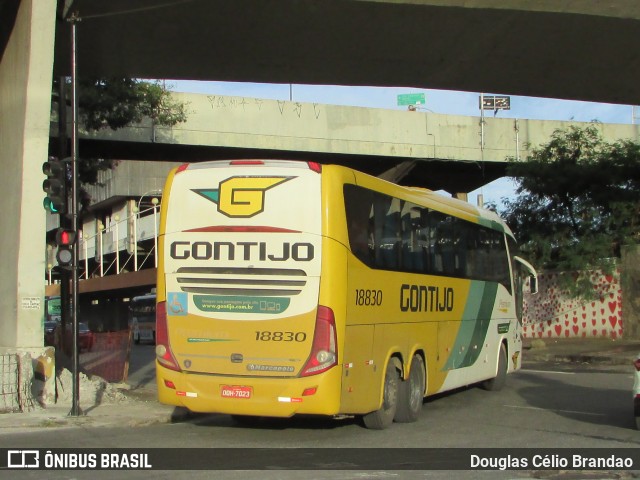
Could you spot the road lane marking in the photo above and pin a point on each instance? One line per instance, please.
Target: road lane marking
(547, 371)
(556, 410)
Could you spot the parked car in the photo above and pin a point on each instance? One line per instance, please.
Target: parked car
(86, 338)
(636, 392)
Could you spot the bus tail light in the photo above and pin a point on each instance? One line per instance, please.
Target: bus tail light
(324, 352)
(164, 355)
(315, 166)
(182, 168)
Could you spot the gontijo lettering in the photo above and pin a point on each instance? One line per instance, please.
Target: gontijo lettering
(299, 252)
(425, 298)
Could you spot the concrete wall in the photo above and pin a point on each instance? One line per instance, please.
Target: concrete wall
(243, 122)
(553, 313)
(614, 313)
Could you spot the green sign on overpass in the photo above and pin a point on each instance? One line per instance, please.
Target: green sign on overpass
(411, 99)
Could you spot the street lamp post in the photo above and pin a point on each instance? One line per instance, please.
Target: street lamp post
(100, 247)
(116, 218)
(155, 202)
(135, 238)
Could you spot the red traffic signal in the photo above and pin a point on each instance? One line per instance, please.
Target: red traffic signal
(65, 240)
(65, 237)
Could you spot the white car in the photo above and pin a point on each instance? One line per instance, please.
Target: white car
(636, 392)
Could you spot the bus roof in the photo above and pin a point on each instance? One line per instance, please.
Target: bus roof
(146, 296)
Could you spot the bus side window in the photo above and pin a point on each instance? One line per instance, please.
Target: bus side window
(473, 245)
(445, 252)
(380, 208)
(461, 233)
(392, 234)
(358, 208)
(424, 240)
(391, 238)
(430, 220)
(413, 251)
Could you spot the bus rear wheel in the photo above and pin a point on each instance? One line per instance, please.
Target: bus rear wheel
(383, 417)
(496, 383)
(411, 392)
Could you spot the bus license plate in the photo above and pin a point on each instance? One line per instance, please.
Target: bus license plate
(236, 391)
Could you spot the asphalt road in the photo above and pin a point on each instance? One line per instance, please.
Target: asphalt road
(542, 406)
(142, 372)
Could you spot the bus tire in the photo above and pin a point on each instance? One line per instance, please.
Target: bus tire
(411, 392)
(383, 417)
(496, 383)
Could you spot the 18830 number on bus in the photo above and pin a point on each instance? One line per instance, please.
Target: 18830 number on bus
(368, 298)
(267, 336)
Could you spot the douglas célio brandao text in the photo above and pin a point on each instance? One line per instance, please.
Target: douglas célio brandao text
(550, 461)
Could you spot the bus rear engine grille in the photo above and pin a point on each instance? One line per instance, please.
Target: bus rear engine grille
(242, 281)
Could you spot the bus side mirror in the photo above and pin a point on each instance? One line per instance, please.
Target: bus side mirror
(533, 276)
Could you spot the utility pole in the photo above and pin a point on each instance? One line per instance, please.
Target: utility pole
(482, 128)
(65, 277)
(75, 405)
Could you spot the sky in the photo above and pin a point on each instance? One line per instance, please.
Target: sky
(437, 101)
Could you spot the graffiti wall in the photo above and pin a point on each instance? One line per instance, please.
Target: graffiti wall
(552, 313)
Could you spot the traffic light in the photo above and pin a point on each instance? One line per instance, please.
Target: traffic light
(65, 239)
(55, 185)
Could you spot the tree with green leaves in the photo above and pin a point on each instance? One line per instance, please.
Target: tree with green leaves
(578, 202)
(117, 103)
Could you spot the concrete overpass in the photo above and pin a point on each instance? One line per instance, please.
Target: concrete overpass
(548, 48)
(417, 148)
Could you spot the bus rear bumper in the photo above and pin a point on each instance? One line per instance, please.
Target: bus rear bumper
(257, 396)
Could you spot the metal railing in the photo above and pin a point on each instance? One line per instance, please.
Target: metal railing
(118, 246)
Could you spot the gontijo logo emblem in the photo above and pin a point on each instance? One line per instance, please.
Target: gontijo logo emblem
(241, 196)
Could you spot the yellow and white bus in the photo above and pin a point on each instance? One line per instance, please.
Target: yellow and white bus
(298, 288)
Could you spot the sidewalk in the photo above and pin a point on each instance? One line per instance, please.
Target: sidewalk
(586, 351)
(117, 409)
(120, 407)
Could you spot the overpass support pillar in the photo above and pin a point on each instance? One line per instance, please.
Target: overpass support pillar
(462, 196)
(26, 70)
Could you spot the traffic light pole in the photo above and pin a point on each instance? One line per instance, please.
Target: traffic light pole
(75, 405)
(63, 152)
